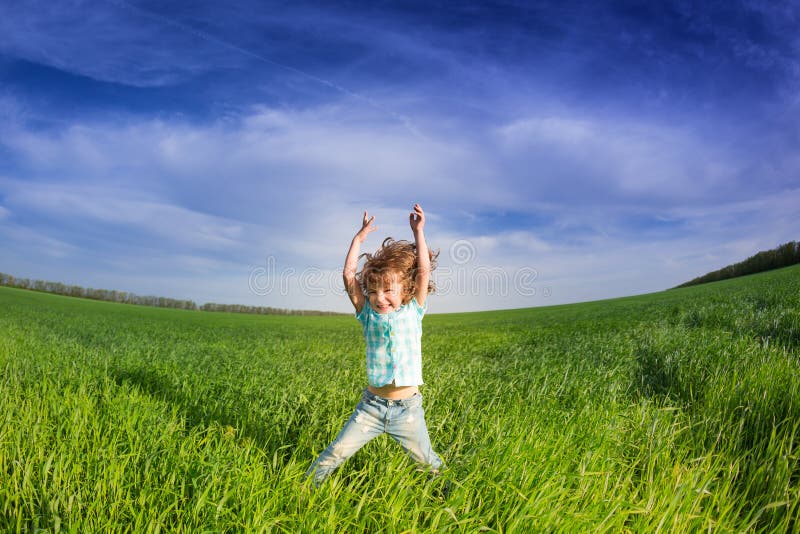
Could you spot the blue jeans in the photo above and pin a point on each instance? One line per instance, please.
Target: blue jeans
(403, 420)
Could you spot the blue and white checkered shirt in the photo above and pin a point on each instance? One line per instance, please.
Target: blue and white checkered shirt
(394, 344)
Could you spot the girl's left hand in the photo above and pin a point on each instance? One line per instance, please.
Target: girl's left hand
(417, 218)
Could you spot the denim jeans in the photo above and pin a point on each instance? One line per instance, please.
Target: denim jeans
(403, 420)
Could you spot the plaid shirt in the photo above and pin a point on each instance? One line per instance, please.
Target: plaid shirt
(394, 344)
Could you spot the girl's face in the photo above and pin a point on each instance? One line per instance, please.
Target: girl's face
(387, 295)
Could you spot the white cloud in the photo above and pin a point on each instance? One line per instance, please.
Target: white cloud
(615, 158)
(190, 210)
(106, 206)
(107, 41)
(36, 244)
(309, 172)
(560, 130)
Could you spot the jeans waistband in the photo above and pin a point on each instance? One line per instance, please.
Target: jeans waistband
(391, 402)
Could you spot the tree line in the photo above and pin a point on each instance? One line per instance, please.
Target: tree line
(766, 260)
(125, 297)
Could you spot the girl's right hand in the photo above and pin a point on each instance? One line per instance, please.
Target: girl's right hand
(366, 227)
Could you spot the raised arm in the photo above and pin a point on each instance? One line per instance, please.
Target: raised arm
(417, 221)
(351, 263)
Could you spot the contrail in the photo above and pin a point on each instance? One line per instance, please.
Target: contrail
(221, 42)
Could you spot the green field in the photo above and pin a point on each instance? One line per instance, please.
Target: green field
(677, 411)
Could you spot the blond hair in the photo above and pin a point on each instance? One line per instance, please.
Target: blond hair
(394, 258)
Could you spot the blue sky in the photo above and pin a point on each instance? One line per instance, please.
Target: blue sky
(563, 151)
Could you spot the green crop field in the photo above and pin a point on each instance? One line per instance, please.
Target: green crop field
(677, 411)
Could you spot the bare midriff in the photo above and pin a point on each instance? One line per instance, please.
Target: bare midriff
(390, 391)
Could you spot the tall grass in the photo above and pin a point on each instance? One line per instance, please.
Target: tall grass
(677, 411)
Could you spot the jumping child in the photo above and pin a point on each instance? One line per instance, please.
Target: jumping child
(389, 296)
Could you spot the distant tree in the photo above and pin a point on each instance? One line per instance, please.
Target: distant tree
(113, 295)
(781, 256)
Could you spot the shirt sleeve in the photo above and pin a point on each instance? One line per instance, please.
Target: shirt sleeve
(420, 309)
(362, 317)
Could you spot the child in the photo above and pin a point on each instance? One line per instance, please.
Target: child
(396, 280)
